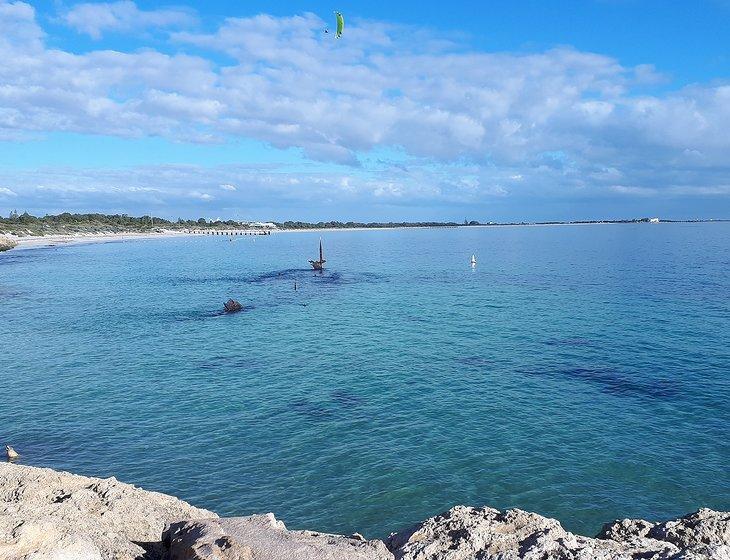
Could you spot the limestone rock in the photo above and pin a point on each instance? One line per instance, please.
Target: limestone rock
(624, 530)
(703, 534)
(50, 515)
(466, 533)
(263, 537)
(702, 527)
(6, 243)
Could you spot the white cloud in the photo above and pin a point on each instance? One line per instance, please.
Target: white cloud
(201, 195)
(288, 192)
(18, 30)
(96, 18)
(228, 187)
(7, 192)
(630, 190)
(465, 123)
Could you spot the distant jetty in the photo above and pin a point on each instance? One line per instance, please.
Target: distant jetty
(51, 514)
(227, 232)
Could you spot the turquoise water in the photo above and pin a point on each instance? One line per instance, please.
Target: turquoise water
(581, 372)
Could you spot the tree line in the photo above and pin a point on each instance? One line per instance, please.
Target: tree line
(147, 221)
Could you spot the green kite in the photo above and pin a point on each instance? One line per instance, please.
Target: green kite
(340, 25)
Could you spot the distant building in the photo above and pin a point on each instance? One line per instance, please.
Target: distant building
(262, 225)
(653, 220)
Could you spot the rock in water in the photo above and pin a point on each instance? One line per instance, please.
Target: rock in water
(45, 514)
(231, 306)
(11, 453)
(262, 537)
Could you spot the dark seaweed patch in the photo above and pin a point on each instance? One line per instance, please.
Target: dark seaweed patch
(345, 398)
(197, 280)
(19, 256)
(226, 362)
(418, 319)
(289, 275)
(617, 383)
(216, 362)
(325, 277)
(11, 292)
(198, 315)
(372, 277)
(474, 361)
(340, 400)
(311, 409)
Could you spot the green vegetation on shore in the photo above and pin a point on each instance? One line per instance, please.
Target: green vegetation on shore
(25, 224)
(367, 225)
(61, 224)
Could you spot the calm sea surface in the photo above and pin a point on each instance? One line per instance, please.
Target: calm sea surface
(582, 372)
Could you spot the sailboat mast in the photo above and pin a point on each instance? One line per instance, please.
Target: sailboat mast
(321, 257)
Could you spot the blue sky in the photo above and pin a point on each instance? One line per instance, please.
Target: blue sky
(423, 110)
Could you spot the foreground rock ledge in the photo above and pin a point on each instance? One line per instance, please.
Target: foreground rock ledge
(263, 537)
(484, 533)
(49, 515)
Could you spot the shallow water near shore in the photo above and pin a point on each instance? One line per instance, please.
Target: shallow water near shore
(581, 372)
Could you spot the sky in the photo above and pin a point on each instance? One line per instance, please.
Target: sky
(492, 111)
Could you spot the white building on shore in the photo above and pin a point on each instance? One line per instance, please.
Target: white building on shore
(262, 225)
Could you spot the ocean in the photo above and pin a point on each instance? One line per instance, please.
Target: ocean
(581, 372)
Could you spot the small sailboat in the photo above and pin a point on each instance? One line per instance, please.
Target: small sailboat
(319, 265)
(473, 260)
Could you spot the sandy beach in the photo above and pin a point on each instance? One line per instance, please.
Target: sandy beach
(33, 242)
(39, 241)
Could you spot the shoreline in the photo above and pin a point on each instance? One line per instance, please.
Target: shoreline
(57, 240)
(57, 514)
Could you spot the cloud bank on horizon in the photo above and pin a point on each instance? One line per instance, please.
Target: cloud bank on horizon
(388, 122)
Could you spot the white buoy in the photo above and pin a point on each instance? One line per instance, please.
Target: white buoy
(11, 453)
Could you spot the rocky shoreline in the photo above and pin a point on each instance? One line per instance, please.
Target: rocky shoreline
(46, 514)
(6, 243)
